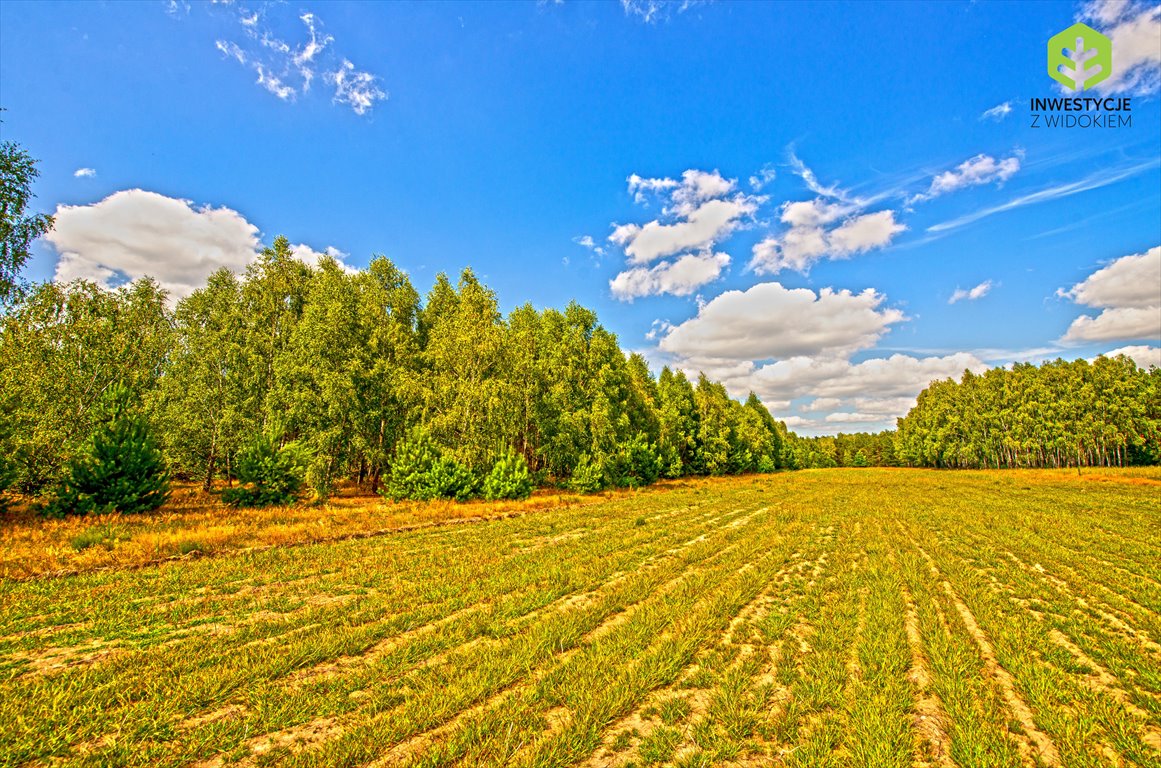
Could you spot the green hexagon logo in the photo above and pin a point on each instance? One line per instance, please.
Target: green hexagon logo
(1079, 57)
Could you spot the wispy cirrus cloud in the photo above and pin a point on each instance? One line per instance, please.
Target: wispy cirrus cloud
(288, 70)
(998, 112)
(1092, 181)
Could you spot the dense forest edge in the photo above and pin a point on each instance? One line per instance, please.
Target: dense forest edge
(291, 379)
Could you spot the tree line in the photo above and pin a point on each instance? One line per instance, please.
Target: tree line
(350, 376)
(1058, 414)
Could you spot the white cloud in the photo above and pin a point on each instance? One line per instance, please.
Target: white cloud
(680, 278)
(652, 11)
(700, 210)
(1143, 356)
(1135, 32)
(863, 233)
(1092, 181)
(1130, 281)
(287, 70)
(1116, 324)
(998, 112)
(586, 241)
(700, 228)
(274, 85)
(811, 181)
(895, 377)
(313, 258)
(639, 187)
(807, 241)
(1129, 293)
(85, 173)
(813, 213)
(762, 178)
(971, 294)
(134, 233)
(981, 169)
(356, 89)
(770, 321)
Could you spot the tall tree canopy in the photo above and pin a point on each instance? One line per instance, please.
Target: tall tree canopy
(348, 365)
(18, 228)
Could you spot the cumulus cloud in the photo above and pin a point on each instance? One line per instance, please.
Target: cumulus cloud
(134, 233)
(680, 277)
(1135, 32)
(287, 70)
(1144, 356)
(770, 321)
(897, 376)
(981, 169)
(797, 346)
(1130, 281)
(808, 240)
(313, 258)
(971, 294)
(701, 227)
(998, 112)
(85, 173)
(1116, 323)
(1128, 291)
(698, 212)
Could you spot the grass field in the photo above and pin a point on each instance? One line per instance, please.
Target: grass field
(817, 618)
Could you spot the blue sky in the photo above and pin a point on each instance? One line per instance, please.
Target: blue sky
(501, 135)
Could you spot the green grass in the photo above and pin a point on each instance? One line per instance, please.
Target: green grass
(751, 621)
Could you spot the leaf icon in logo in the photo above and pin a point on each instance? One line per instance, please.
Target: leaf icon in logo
(1079, 57)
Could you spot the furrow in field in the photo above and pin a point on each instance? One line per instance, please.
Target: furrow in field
(533, 702)
(928, 719)
(121, 680)
(668, 717)
(430, 703)
(1043, 746)
(570, 599)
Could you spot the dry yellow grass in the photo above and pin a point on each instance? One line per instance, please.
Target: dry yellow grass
(195, 523)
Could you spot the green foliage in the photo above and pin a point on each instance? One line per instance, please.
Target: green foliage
(588, 476)
(17, 229)
(509, 479)
(1060, 414)
(269, 474)
(121, 470)
(860, 460)
(61, 346)
(420, 472)
(635, 463)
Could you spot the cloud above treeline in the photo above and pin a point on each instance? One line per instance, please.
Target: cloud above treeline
(135, 233)
(1128, 293)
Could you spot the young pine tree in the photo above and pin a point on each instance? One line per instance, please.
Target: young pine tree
(121, 470)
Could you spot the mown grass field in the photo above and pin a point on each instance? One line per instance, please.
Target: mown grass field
(817, 618)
